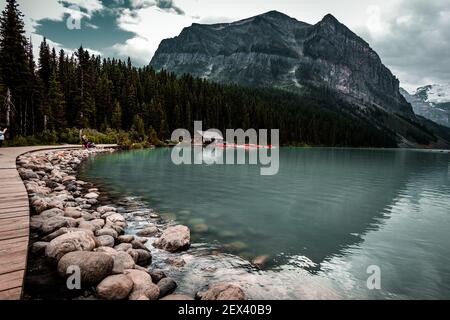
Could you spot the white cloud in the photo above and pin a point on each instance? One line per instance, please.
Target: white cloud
(139, 49)
(413, 39)
(151, 25)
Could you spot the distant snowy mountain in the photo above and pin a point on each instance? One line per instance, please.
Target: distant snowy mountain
(431, 102)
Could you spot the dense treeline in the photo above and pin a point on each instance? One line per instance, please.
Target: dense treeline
(85, 91)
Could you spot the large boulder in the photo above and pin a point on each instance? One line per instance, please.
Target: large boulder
(106, 241)
(107, 232)
(57, 222)
(123, 247)
(94, 266)
(116, 287)
(223, 291)
(50, 213)
(143, 285)
(104, 209)
(148, 232)
(157, 275)
(174, 239)
(72, 241)
(166, 286)
(60, 232)
(122, 262)
(116, 219)
(144, 257)
(125, 238)
(72, 212)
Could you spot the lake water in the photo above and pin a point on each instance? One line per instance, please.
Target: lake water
(325, 218)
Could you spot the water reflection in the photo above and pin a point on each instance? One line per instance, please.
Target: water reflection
(324, 218)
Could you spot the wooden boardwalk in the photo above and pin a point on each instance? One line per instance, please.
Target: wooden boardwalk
(14, 221)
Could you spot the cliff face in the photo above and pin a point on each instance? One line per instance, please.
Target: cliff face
(274, 50)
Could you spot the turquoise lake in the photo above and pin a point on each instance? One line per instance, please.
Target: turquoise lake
(325, 218)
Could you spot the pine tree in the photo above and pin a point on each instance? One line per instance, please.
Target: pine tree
(14, 62)
(45, 69)
(57, 105)
(116, 117)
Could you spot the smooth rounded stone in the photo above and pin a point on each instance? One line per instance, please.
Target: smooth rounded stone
(60, 232)
(60, 188)
(67, 179)
(57, 222)
(122, 261)
(223, 291)
(123, 247)
(107, 214)
(86, 206)
(70, 204)
(41, 204)
(100, 223)
(91, 195)
(115, 287)
(72, 212)
(260, 261)
(92, 201)
(177, 297)
(142, 285)
(174, 239)
(55, 203)
(80, 200)
(200, 228)
(166, 286)
(117, 219)
(148, 232)
(105, 209)
(133, 254)
(47, 214)
(118, 229)
(108, 250)
(139, 245)
(137, 267)
(39, 247)
(88, 226)
(36, 222)
(91, 190)
(144, 257)
(94, 266)
(154, 216)
(157, 275)
(125, 239)
(33, 187)
(72, 241)
(71, 187)
(107, 232)
(176, 262)
(28, 174)
(106, 241)
(87, 216)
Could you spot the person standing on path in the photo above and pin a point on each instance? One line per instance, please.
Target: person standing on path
(2, 136)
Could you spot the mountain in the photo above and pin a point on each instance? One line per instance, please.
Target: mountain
(277, 51)
(431, 102)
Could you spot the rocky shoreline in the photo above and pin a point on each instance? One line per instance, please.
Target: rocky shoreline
(79, 248)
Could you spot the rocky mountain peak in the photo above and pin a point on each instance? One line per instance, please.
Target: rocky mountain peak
(275, 50)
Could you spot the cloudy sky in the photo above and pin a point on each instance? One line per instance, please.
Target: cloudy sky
(411, 36)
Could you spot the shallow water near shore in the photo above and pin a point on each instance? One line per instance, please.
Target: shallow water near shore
(325, 218)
